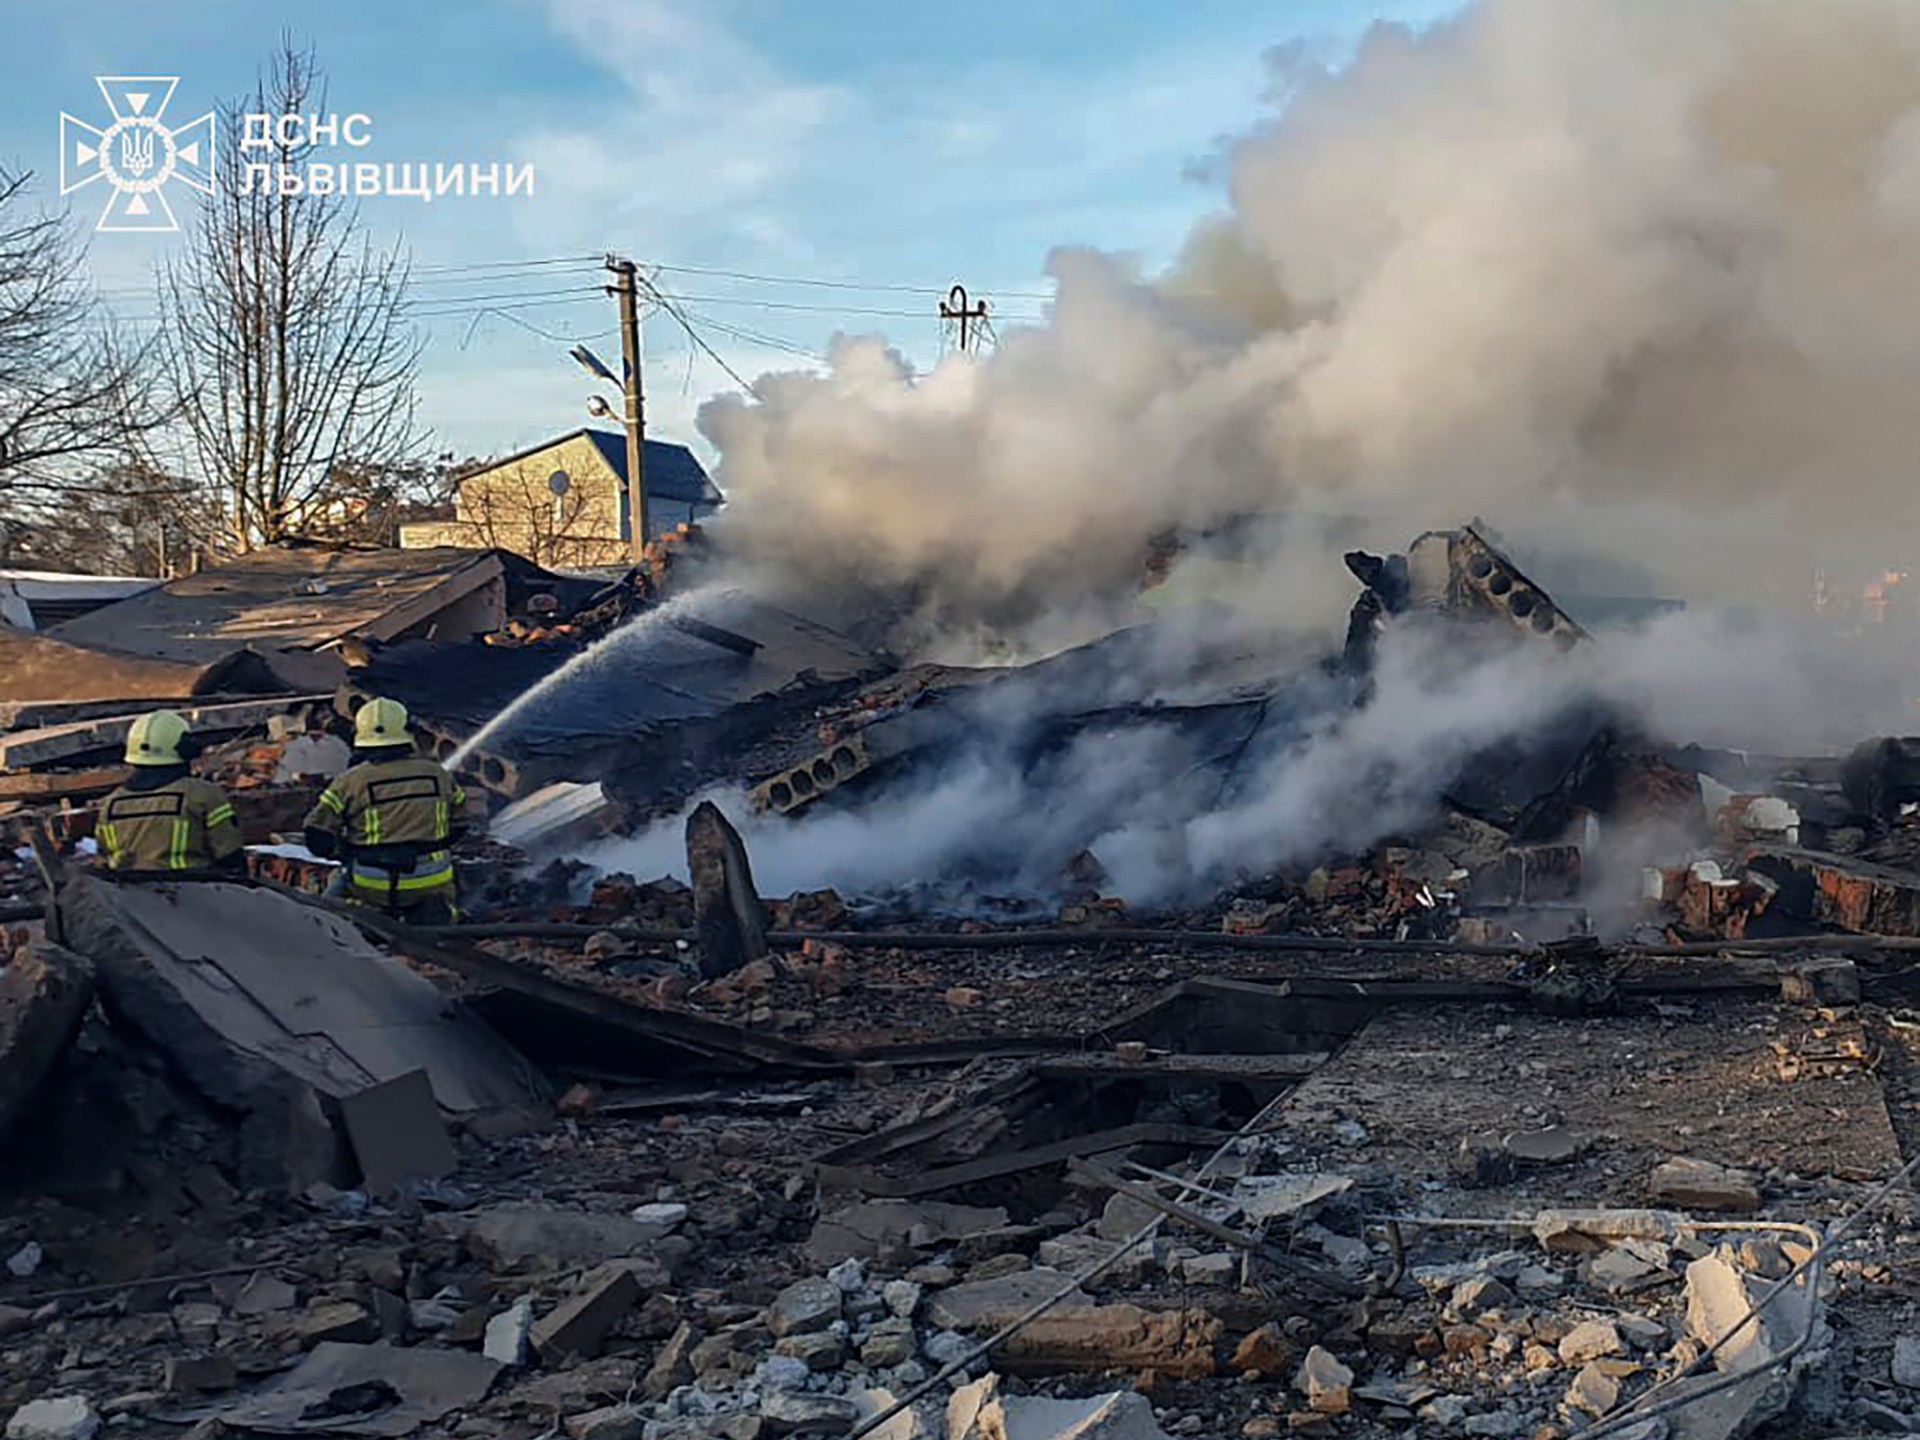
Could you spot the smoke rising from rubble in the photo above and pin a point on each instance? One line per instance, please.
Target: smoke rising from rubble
(1631, 280)
(1168, 833)
(1633, 275)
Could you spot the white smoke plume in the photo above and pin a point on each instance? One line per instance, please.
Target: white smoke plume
(1632, 279)
(1170, 835)
(1617, 274)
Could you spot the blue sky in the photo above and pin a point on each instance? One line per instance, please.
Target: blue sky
(856, 141)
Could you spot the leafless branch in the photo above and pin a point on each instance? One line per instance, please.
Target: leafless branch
(285, 338)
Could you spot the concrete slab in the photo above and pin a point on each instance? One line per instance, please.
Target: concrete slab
(566, 811)
(990, 1304)
(44, 996)
(1119, 1415)
(279, 1011)
(58, 742)
(398, 1133)
(427, 1384)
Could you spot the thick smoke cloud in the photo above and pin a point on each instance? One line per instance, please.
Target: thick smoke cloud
(1632, 279)
(1630, 276)
(1169, 833)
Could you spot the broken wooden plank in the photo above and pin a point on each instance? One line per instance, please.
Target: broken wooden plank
(53, 874)
(1090, 939)
(1014, 1162)
(44, 746)
(1182, 1067)
(868, 1149)
(32, 789)
(675, 1099)
(710, 1039)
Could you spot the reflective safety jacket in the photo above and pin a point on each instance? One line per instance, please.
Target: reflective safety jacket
(394, 819)
(183, 824)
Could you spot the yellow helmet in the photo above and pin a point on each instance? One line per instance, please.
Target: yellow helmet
(155, 739)
(381, 723)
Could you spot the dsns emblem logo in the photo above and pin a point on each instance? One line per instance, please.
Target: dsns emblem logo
(137, 154)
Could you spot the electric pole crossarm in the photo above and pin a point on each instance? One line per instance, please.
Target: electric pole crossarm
(955, 307)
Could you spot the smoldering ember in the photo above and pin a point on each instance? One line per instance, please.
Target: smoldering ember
(1323, 844)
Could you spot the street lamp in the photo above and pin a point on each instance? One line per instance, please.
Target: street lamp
(593, 364)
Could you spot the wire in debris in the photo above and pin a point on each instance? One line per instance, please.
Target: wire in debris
(1641, 1409)
(113, 1287)
(1013, 1327)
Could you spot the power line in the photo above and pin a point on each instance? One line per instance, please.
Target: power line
(756, 337)
(454, 274)
(666, 303)
(512, 295)
(508, 264)
(752, 303)
(487, 278)
(832, 284)
(505, 313)
(434, 305)
(469, 304)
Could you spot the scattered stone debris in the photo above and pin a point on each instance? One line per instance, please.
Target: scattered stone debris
(63, 1417)
(1700, 1185)
(297, 1172)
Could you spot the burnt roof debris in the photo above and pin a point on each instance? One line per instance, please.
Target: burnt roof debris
(290, 617)
(307, 610)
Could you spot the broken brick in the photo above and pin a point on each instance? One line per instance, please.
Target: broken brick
(578, 1327)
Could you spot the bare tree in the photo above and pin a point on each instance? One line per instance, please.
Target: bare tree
(367, 504)
(285, 330)
(71, 392)
(127, 518)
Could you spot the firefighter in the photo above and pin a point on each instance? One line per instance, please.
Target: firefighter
(164, 820)
(390, 819)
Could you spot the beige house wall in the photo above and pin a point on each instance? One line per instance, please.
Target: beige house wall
(514, 508)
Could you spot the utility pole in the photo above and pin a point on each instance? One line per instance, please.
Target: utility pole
(626, 290)
(955, 307)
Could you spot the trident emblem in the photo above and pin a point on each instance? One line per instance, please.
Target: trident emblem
(136, 154)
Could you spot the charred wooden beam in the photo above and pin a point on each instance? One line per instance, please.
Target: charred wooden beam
(1014, 1162)
(728, 915)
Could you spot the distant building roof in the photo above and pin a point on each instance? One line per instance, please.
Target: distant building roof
(32, 599)
(672, 471)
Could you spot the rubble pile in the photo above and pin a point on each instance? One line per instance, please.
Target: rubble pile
(1481, 1131)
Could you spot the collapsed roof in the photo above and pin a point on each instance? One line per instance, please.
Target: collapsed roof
(286, 618)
